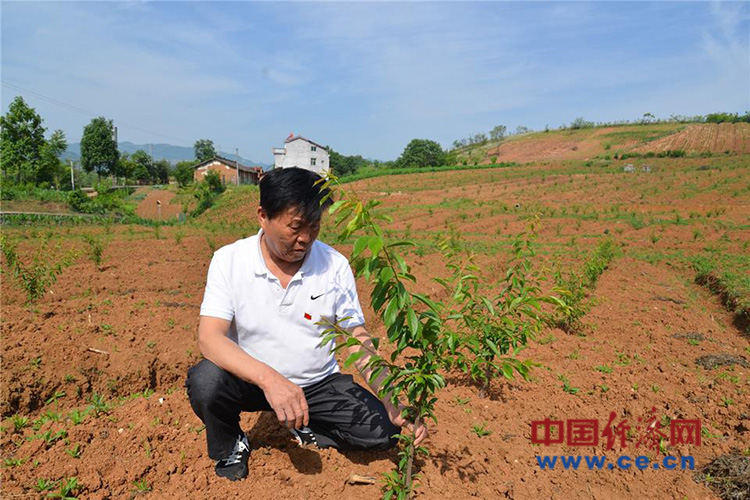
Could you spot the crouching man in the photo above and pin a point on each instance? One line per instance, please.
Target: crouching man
(259, 337)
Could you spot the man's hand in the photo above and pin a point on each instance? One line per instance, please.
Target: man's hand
(394, 414)
(287, 400)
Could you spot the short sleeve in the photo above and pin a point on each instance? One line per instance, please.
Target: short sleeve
(347, 300)
(217, 299)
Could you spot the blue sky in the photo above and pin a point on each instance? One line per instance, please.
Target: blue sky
(365, 78)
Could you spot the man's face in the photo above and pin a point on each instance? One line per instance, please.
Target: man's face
(288, 236)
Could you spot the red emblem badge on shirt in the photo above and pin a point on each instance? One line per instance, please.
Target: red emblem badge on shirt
(307, 316)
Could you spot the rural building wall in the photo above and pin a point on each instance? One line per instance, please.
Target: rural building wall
(228, 174)
(299, 153)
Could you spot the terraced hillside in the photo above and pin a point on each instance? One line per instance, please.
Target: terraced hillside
(600, 142)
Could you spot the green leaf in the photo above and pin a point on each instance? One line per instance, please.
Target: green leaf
(401, 244)
(360, 245)
(507, 371)
(391, 311)
(375, 373)
(353, 357)
(412, 321)
(426, 301)
(378, 297)
(452, 341)
(335, 206)
(401, 263)
(327, 339)
(375, 245)
(488, 305)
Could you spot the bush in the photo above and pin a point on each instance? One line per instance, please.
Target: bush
(727, 117)
(78, 201)
(596, 265)
(421, 153)
(32, 192)
(581, 122)
(672, 153)
(39, 271)
(108, 200)
(213, 181)
(183, 173)
(206, 192)
(573, 288)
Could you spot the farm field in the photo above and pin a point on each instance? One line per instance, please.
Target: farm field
(588, 143)
(93, 371)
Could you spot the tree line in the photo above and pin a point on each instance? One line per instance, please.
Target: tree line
(418, 153)
(500, 131)
(27, 158)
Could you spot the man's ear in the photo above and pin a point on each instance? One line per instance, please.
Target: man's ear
(262, 217)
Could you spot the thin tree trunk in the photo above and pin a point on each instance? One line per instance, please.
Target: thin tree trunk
(485, 389)
(410, 462)
(409, 465)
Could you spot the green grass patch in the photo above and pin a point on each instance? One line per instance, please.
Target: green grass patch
(728, 276)
(368, 173)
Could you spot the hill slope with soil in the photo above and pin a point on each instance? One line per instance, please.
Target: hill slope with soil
(590, 143)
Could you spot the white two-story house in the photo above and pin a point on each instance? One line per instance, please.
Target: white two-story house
(302, 153)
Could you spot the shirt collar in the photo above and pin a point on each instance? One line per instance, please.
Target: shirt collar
(259, 266)
(261, 269)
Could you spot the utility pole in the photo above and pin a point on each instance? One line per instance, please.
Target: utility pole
(237, 162)
(117, 146)
(72, 177)
(151, 162)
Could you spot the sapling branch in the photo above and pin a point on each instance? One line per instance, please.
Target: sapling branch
(413, 324)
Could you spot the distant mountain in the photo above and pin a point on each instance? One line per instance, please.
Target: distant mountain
(159, 151)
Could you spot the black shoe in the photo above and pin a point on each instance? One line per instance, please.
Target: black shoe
(304, 436)
(234, 467)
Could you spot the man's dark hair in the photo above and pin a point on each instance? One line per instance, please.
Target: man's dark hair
(282, 188)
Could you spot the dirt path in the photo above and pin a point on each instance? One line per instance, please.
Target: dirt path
(149, 209)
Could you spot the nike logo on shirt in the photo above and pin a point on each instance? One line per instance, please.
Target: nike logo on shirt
(313, 297)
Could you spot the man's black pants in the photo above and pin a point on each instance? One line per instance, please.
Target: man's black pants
(343, 415)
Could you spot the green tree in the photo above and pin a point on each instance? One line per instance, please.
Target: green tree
(184, 172)
(521, 129)
(142, 165)
(213, 182)
(21, 142)
(342, 165)
(204, 149)
(581, 122)
(421, 153)
(160, 171)
(480, 138)
(51, 169)
(125, 167)
(498, 132)
(98, 147)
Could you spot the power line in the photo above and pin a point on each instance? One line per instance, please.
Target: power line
(77, 109)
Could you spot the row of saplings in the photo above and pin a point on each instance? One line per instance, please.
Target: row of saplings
(477, 333)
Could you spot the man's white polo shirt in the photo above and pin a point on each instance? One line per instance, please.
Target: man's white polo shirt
(278, 326)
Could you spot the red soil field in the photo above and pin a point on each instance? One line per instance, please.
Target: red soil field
(130, 325)
(585, 144)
